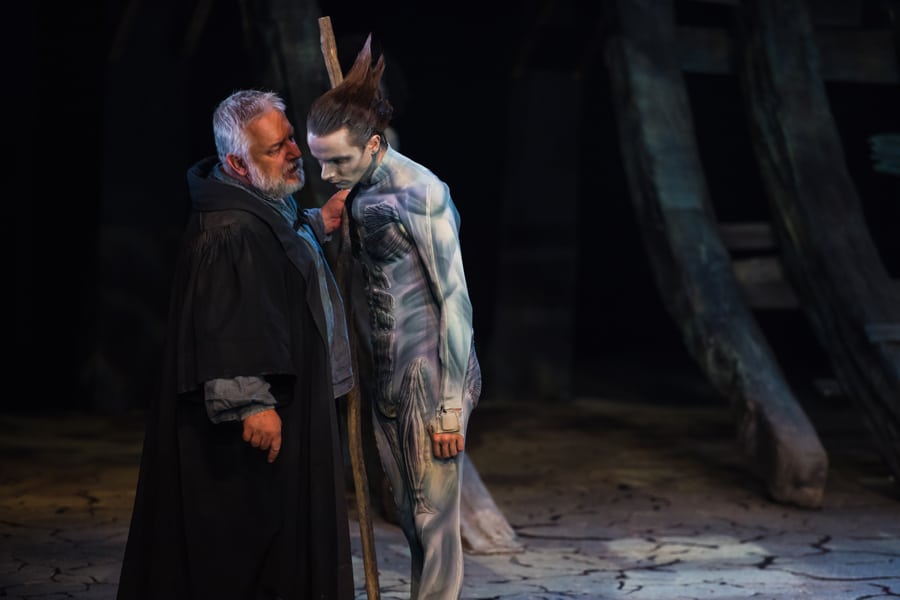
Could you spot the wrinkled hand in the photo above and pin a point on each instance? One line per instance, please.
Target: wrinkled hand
(263, 430)
(446, 445)
(333, 209)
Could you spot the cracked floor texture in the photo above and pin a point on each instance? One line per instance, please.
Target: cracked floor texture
(613, 495)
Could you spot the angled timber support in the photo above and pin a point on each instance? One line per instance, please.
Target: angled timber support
(691, 265)
(829, 256)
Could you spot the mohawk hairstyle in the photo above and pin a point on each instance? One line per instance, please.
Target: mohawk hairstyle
(357, 103)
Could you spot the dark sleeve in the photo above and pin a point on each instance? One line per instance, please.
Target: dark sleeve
(236, 318)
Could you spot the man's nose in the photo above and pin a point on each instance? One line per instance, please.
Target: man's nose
(294, 151)
(327, 172)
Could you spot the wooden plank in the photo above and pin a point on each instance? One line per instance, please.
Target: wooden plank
(886, 152)
(690, 263)
(759, 275)
(354, 413)
(826, 249)
(750, 235)
(861, 56)
(836, 13)
(763, 283)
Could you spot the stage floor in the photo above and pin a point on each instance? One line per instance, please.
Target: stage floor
(610, 496)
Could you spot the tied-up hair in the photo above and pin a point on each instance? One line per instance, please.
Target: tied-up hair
(357, 103)
(232, 116)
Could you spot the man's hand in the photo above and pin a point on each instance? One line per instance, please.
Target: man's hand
(446, 445)
(333, 209)
(263, 430)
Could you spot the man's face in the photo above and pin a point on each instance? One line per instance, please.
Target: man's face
(343, 164)
(275, 166)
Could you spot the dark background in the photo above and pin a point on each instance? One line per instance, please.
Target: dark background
(112, 125)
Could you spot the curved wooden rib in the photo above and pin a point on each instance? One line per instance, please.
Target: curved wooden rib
(691, 265)
(828, 254)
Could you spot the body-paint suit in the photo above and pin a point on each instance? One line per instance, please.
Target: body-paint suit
(423, 359)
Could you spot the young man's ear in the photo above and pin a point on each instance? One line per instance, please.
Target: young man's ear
(236, 164)
(374, 144)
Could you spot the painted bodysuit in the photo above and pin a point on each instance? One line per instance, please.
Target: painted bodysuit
(423, 361)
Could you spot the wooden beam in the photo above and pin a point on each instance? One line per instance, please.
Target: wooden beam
(862, 56)
(829, 256)
(691, 265)
(764, 284)
(748, 236)
(354, 400)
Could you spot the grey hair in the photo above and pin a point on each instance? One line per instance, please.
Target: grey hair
(234, 113)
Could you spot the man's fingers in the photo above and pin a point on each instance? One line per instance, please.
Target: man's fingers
(262, 430)
(447, 445)
(454, 447)
(251, 437)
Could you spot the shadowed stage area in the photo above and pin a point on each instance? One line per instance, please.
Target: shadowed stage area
(633, 490)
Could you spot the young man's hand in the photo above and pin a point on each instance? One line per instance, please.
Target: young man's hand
(446, 445)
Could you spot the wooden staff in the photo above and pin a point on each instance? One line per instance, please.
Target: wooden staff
(354, 431)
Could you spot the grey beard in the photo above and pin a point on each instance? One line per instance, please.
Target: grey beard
(274, 187)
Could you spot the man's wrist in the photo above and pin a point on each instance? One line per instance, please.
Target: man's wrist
(448, 421)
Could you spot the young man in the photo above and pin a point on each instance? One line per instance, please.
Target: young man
(241, 491)
(425, 379)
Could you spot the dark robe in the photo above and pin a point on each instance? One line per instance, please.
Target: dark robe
(212, 519)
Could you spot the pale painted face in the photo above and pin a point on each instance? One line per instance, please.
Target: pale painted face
(275, 166)
(343, 164)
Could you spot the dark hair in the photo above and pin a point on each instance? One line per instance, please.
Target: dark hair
(356, 103)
